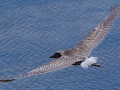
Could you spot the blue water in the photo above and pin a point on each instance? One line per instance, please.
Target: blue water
(32, 30)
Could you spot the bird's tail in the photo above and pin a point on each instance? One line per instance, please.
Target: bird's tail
(89, 62)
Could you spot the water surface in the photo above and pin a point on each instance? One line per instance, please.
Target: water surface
(31, 31)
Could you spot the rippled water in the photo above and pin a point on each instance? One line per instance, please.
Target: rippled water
(31, 31)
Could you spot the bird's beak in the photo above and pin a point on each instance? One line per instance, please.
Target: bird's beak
(52, 56)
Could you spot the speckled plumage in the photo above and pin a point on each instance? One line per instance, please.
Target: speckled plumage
(80, 52)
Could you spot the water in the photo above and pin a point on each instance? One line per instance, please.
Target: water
(31, 31)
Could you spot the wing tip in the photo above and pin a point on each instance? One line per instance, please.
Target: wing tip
(115, 6)
(7, 80)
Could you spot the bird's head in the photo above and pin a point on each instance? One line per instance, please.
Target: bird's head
(58, 54)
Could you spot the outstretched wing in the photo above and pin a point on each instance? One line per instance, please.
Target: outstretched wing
(87, 44)
(97, 35)
(60, 63)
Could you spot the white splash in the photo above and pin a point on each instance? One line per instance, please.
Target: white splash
(88, 61)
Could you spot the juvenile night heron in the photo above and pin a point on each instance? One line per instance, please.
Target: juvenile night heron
(80, 54)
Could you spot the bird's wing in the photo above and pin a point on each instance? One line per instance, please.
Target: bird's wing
(97, 35)
(60, 63)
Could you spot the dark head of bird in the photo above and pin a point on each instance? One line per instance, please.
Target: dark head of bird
(58, 54)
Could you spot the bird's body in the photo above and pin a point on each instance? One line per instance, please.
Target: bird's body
(80, 54)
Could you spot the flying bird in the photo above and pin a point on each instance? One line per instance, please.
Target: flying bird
(78, 55)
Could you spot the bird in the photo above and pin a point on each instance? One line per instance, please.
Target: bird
(78, 55)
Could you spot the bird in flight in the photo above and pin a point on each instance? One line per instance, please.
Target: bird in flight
(80, 54)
